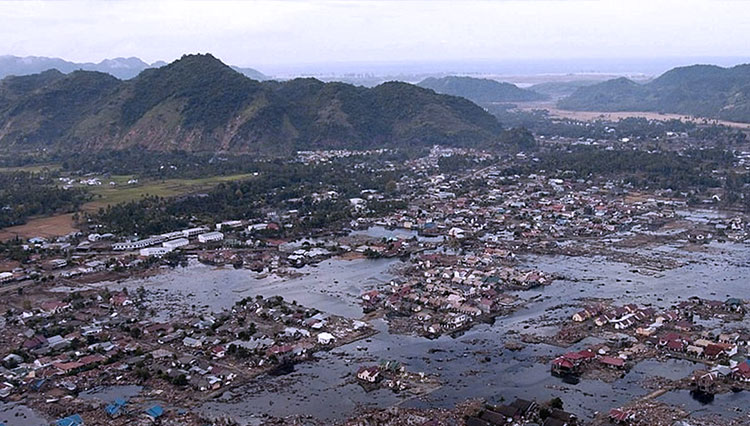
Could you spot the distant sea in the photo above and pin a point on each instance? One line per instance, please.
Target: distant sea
(620, 66)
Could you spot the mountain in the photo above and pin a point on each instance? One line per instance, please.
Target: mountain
(561, 89)
(122, 68)
(700, 90)
(197, 103)
(480, 90)
(119, 67)
(252, 73)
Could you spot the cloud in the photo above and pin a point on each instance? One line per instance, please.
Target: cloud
(287, 32)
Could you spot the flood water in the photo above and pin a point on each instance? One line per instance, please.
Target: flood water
(13, 414)
(108, 394)
(474, 364)
(333, 286)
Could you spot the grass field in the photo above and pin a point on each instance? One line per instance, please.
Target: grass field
(122, 192)
(614, 116)
(35, 169)
(106, 194)
(53, 226)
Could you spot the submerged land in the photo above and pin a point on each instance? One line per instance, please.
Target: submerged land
(541, 271)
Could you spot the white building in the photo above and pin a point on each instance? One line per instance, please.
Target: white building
(369, 374)
(210, 236)
(325, 338)
(357, 203)
(155, 251)
(193, 231)
(191, 342)
(135, 245)
(5, 276)
(180, 242)
(172, 235)
(229, 224)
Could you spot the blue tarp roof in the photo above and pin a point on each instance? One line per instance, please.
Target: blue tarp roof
(36, 386)
(115, 407)
(74, 420)
(155, 411)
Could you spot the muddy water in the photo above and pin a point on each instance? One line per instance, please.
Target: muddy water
(729, 405)
(13, 414)
(332, 286)
(474, 364)
(108, 394)
(383, 232)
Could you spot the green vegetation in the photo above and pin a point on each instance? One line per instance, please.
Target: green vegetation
(24, 194)
(283, 185)
(668, 170)
(211, 91)
(635, 128)
(36, 168)
(122, 192)
(47, 109)
(198, 104)
(559, 89)
(517, 138)
(700, 90)
(480, 90)
(455, 163)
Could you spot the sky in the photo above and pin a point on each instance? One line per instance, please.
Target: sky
(280, 35)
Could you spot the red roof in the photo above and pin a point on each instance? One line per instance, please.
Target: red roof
(53, 305)
(370, 370)
(275, 350)
(675, 345)
(713, 350)
(67, 366)
(574, 356)
(619, 415)
(671, 336)
(616, 362)
(579, 356)
(562, 362)
(91, 359)
(587, 354)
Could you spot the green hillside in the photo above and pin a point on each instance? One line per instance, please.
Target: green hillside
(480, 90)
(197, 103)
(701, 90)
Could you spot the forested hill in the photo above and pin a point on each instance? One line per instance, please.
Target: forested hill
(123, 68)
(700, 90)
(197, 103)
(480, 90)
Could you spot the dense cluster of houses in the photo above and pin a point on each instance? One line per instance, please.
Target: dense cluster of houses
(441, 293)
(669, 333)
(170, 240)
(323, 156)
(94, 338)
(388, 374)
(573, 363)
(525, 208)
(522, 412)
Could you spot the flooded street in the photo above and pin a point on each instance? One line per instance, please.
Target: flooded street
(332, 286)
(12, 414)
(474, 364)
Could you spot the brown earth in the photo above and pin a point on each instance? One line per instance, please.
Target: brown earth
(596, 115)
(46, 227)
